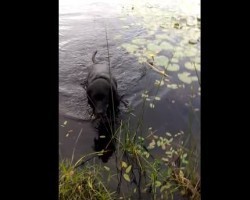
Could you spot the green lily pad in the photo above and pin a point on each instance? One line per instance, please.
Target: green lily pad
(161, 61)
(139, 41)
(190, 52)
(166, 46)
(185, 78)
(149, 54)
(178, 54)
(162, 36)
(154, 48)
(198, 66)
(142, 59)
(151, 32)
(174, 60)
(130, 47)
(173, 67)
(196, 60)
(179, 49)
(189, 65)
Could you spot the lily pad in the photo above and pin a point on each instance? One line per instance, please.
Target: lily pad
(189, 65)
(161, 61)
(149, 54)
(162, 36)
(198, 66)
(173, 67)
(178, 54)
(191, 21)
(174, 60)
(130, 47)
(151, 32)
(153, 47)
(142, 59)
(159, 83)
(196, 60)
(166, 46)
(139, 41)
(179, 49)
(190, 52)
(185, 78)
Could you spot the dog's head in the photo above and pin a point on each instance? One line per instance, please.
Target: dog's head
(100, 97)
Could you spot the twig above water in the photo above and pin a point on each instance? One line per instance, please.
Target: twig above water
(157, 70)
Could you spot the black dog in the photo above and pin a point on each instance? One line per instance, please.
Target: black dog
(101, 89)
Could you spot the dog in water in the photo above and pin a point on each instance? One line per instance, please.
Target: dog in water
(101, 89)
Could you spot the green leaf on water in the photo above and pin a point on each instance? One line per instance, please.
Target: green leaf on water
(142, 59)
(154, 48)
(165, 159)
(128, 169)
(194, 78)
(140, 41)
(173, 67)
(185, 78)
(131, 48)
(151, 32)
(178, 54)
(168, 134)
(161, 61)
(124, 164)
(166, 46)
(107, 168)
(157, 183)
(190, 52)
(189, 65)
(126, 177)
(174, 60)
(151, 105)
(151, 144)
(197, 66)
(196, 60)
(157, 83)
(157, 98)
(102, 136)
(149, 54)
(161, 36)
(165, 187)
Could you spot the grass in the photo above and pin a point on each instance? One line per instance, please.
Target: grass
(82, 183)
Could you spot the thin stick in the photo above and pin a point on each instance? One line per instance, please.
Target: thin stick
(157, 70)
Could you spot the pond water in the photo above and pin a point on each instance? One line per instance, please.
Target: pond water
(138, 32)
